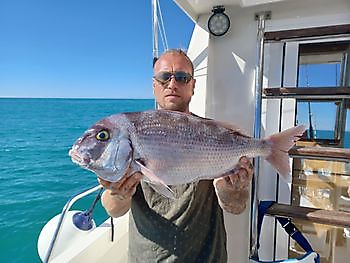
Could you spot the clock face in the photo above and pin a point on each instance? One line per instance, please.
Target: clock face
(218, 24)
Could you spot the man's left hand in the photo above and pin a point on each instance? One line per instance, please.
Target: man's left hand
(232, 189)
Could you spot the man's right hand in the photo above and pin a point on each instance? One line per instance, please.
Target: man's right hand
(117, 197)
(125, 188)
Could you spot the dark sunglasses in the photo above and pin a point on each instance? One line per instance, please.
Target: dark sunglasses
(180, 76)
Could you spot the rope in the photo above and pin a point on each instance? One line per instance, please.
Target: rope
(162, 28)
(112, 228)
(98, 197)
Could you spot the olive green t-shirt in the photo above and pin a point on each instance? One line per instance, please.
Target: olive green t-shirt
(188, 229)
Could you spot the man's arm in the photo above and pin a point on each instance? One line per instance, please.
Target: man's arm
(116, 199)
(232, 190)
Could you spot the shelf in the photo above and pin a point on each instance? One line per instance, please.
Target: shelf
(315, 93)
(320, 153)
(328, 217)
(307, 32)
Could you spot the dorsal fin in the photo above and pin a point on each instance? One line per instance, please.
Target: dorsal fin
(232, 127)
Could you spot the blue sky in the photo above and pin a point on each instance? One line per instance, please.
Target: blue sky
(82, 48)
(99, 49)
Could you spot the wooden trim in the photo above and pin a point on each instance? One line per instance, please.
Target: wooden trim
(328, 153)
(333, 218)
(308, 32)
(325, 47)
(327, 93)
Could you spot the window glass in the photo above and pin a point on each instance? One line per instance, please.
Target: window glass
(323, 65)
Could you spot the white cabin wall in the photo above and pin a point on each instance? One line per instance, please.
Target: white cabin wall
(231, 67)
(231, 73)
(198, 53)
(307, 13)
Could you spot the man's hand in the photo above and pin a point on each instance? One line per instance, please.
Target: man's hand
(117, 197)
(232, 190)
(125, 188)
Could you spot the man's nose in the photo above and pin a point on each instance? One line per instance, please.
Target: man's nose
(172, 83)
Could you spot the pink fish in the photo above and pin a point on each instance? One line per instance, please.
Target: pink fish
(172, 148)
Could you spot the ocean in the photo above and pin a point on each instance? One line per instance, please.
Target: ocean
(37, 176)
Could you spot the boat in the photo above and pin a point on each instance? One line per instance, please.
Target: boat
(248, 56)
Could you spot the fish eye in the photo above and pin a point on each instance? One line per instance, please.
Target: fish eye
(102, 135)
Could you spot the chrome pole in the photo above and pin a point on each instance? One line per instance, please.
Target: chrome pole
(65, 209)
(260, 17)
(155, 37)
(155, 29)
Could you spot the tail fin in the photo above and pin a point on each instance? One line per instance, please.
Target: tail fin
(280, 144)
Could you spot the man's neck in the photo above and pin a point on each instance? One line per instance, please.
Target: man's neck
(185, 111)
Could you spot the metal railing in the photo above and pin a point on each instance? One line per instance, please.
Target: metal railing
(65, 209)
(260, 17)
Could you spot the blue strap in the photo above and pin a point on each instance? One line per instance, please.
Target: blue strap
(288, 226)
(294, 233)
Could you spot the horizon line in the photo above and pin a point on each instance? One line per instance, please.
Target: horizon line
(88, 98)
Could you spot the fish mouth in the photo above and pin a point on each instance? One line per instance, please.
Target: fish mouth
(76, 158)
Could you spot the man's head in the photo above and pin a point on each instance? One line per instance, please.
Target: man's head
(173, 83)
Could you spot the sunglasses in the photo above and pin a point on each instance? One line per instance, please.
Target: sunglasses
(180, 76)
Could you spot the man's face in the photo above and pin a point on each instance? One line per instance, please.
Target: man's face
(173, 95)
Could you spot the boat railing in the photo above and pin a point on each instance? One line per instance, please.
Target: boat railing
(65, 209)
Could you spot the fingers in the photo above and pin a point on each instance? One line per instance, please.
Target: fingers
(242, 174)
(104, 183)
(125, 188)
(244, 162)
(244, 177)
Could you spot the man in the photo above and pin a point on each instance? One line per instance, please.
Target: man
(190, 228)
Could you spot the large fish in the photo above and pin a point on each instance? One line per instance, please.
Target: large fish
(172, 148)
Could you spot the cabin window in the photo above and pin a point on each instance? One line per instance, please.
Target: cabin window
(319, 183)
(324, 65)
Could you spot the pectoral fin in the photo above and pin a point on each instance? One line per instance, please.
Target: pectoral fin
(163, 190)
(156, 183)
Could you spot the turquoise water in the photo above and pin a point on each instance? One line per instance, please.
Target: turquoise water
(37, 176)
(321, 134)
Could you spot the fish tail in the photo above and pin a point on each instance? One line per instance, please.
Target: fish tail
(280, 144)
